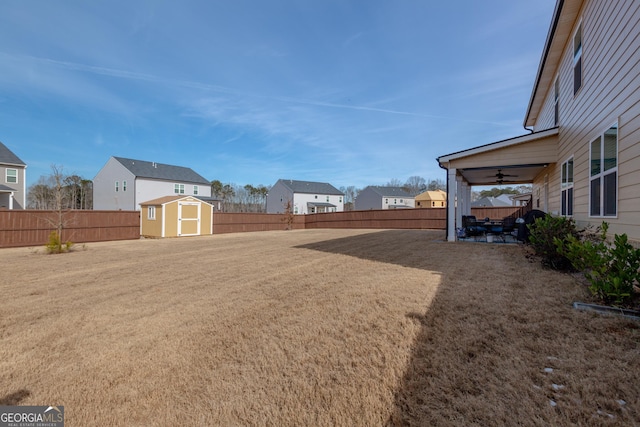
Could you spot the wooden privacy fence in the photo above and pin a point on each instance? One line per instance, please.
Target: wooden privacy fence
(389, 218)
(32, 227)
(242, 222)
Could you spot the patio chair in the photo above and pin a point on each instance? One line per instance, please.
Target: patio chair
(471, 227)
(508, 227)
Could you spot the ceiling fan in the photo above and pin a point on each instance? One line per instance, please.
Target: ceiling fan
(500, 176)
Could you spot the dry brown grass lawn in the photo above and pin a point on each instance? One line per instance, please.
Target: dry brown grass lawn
(315, 327)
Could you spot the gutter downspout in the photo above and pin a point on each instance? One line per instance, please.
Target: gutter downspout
(446, 221)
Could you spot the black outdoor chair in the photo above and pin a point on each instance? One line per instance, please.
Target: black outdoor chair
(471, 227)
(508, 227)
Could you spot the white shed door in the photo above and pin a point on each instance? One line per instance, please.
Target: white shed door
(189, 218)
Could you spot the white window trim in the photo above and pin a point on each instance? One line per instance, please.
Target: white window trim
(117, 188)
(195, 190)
(151, 213)
(577, 56)
(568, 185)
(178, 188)
(604, 173)
(6, 176)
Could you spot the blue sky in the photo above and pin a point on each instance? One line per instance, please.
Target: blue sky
(351, 92)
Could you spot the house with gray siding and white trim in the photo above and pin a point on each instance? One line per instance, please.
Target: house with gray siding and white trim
(305, 197)
(13, 177)
(380, 197)
(122, 184)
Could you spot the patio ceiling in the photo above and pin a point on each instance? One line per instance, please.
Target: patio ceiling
(512, 161)
(502, 174)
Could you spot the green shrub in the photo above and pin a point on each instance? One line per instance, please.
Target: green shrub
(55, 244)
(543, 233)
(611, 269)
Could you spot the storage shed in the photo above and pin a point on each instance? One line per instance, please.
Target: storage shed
(176, 216)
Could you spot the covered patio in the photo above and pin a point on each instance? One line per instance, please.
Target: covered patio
(6, 197)
(525, 159)
(320, 207)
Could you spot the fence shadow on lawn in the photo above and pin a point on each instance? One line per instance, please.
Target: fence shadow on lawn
(405, 248)
(489, 342)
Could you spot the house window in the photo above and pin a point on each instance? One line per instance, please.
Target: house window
(603, 185)
(124, 185)
(556, 105)
(577, 60)
(195, 190)
(151, 212)
(566, 188)
(117, 186)
(12, 176)
(178, 188)
(386, 201)
(327, 199)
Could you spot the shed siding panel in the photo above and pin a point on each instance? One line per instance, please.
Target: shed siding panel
(171, 219)
(151, 227)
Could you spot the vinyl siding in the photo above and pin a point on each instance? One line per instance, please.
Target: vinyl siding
(542, 151)
(277, 198)
(19, 196)
(610, 93)
(104, 195)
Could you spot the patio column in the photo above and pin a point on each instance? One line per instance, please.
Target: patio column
(452, 185)
(467, 199)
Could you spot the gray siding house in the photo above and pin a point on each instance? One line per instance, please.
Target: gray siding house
(306, 197)
(377, 197)
(13, 182)
(583, 153)
(123, 184)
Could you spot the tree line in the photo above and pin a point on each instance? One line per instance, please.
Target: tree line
(61, 191)
(249, 198)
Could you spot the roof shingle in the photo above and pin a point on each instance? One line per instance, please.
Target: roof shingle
(8, 157)
(153, 170)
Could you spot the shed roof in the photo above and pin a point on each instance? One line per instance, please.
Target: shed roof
(168, 199)
(8, 157)
(309, 187)
(153, 170)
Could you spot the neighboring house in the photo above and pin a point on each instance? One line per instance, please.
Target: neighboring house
(490, 202)
(122, 184)
(375, 197)
(520, 199)
(13, 185)
(583, 153)
(304, 197)
(431, 199)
